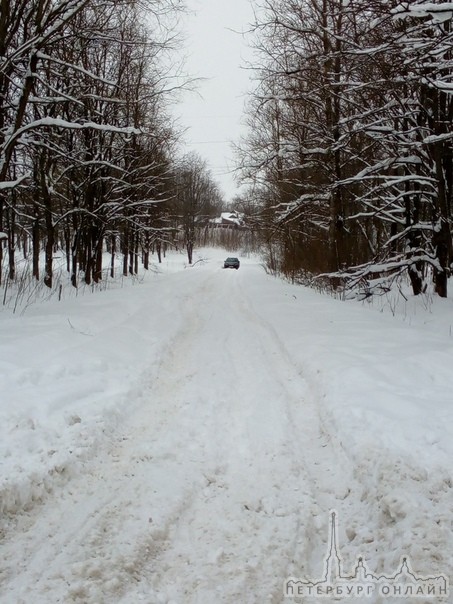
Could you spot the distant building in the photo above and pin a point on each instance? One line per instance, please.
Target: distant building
(229, 220)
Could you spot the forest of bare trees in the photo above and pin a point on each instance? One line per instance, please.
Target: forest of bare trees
(349, 150)
(87, 145)
(349, 153)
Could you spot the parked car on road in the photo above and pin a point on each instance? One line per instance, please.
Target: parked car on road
(232, 263)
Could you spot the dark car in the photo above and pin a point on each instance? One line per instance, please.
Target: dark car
(232, 263)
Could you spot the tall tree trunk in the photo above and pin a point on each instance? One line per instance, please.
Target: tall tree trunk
(136, 250)
(412, 217)
(442, 246)
(159, 251)
(89, 259)
(97, 260)
(48, 221)
(125, 250)
(146, 250)
(35, 246)
(67, 245)
(112, 251)
(11, 245)
(74, 256)
(50, 232)
(131, 258)
(25, 243)
(189, 247)
(442, 241)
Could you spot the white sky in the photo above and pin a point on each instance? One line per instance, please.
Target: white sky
(214, 113)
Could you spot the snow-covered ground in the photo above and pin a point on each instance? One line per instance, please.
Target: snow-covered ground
(183, 440)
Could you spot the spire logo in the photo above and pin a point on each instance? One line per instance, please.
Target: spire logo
(362, 583)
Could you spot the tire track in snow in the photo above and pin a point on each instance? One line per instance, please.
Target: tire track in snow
(216, 490)
(93, 527)
(238, 536)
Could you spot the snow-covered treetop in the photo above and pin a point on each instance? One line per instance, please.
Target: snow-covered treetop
(438, 12)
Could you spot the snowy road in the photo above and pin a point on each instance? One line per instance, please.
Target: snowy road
(217, 483)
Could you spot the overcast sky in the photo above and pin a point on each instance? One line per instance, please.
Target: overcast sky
(213, 115)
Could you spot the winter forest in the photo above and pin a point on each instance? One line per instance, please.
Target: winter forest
(347, 162)
(173, 431)
(86, 140)
(350, 136)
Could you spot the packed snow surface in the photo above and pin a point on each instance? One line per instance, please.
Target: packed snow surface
(183, 440)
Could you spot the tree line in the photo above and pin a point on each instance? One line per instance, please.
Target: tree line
(87, 144)
(349, 151)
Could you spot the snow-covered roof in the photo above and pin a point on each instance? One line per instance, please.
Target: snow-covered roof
(233, 217)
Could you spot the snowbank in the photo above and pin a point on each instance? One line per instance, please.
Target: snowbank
(373, 383)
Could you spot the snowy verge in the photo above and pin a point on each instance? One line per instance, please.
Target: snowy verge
(383, 381)
(308, 374)
(72, 370)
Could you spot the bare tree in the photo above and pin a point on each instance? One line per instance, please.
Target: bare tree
(83, 130)
(350, 134)
(197, 198)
